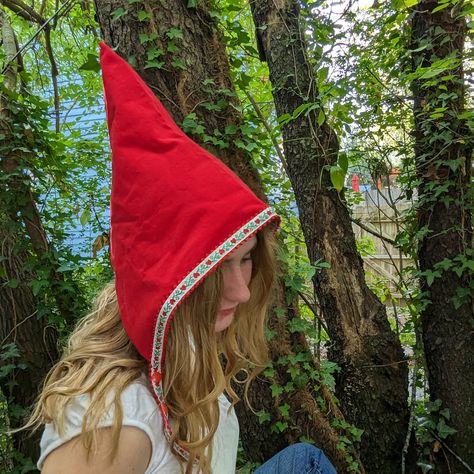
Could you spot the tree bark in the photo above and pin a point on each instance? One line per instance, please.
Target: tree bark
(372, 385)
(35, 340)
(183, 90)
(443, 153)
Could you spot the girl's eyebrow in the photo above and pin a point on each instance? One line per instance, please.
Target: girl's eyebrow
(232, 256)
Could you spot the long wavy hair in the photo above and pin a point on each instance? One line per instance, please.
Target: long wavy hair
(100, 359)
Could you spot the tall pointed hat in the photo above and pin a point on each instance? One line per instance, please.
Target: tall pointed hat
(176, 213)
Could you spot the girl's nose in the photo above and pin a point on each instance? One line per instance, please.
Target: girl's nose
(236, 281)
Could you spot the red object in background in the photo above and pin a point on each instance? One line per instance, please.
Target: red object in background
(355, 183)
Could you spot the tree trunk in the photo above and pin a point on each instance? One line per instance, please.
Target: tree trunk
(35, 340)
(372, 385)
(199, 47)
(30, 342)
(443, 152)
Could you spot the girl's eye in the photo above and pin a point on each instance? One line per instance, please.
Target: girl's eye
(247, 258)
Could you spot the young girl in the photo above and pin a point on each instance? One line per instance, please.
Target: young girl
(141, 387)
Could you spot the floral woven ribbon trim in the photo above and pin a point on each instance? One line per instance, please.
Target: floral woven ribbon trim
(178, 294)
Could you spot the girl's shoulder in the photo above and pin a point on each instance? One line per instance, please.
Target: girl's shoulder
(139, 410)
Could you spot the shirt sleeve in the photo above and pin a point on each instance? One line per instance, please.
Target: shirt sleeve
(139, 410)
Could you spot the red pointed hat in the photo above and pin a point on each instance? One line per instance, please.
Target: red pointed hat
(176, 212)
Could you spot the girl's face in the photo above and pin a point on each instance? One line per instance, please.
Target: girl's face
(236, 275)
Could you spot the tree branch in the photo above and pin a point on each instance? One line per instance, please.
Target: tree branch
(23, 10)
(359, 223)
(269, 130)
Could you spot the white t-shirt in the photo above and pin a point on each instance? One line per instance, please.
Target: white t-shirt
(140, 410)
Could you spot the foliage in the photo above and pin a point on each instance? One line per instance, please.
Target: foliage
(362, 62)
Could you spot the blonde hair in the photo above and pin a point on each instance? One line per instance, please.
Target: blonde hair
(100, 360)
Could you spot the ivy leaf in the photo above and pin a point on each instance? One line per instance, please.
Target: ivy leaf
(92, 63)
(154, 53)
(13, 283)
(284, 410)
(146, 38)
(142, 15)
(280, 426)
(276, 390)
(171, 47)
(119, 13)
(444, 430)
(263, 416)
(152, 64)
(36, 286)
(230, 129)
(174, 33)
(179, 64)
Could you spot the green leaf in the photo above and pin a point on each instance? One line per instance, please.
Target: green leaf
(321, 117)
(13, 283)
(263, 416)
(152, 64)
(92, 63)
(269, 372)
(119, 13)
(231, 129)
(276, 390)
(142, 15)
(280, 426)
(36, 286)
(337, 177)
(179, 64)
(403, 4)
(293, 371)
(192, 3)
(174, 33)
(146, 38)
(172, 48)
(154, 52)
(65, 267)
(284, 410)
(323, 74)
(343, 162)
(444, 430)
(85, 216)
(441, 7)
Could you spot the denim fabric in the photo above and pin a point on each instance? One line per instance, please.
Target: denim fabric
(300, 458)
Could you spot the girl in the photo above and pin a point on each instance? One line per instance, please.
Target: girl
(141, 387)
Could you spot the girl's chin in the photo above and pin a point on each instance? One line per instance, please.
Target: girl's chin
(223, 321)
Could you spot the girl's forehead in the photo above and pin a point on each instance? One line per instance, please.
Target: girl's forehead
(244, 249)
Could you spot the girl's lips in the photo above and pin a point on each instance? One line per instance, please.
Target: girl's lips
(226, 312)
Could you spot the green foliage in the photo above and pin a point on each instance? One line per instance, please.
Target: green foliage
(432, 428)
(364, 94)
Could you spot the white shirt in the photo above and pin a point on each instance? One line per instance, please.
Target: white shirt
(141, 411)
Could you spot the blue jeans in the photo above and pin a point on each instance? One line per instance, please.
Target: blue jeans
(300, 458)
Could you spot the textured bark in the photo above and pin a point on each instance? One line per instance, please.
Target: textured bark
(20, 221)
(182, 91)
(35, 339)
(202, 50)
(448, 335)
(372, 385)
